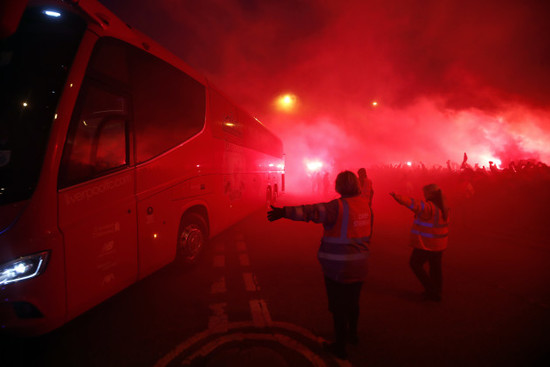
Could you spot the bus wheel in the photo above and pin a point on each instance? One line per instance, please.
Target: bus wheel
(191, 238)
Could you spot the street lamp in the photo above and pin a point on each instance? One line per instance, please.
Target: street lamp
(286, 102)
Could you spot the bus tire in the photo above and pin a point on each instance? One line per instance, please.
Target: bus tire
(192, 236)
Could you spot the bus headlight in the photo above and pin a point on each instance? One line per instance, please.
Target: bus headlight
(23, 268)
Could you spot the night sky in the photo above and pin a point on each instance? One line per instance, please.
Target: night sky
(448, 76)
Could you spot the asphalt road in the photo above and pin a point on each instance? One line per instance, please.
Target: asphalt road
(258, 290)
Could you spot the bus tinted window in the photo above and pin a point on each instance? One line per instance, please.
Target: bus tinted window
(238, 127)
(169, 105)
(258, 137)
(96, 142)
(109, 60)
(34, 64)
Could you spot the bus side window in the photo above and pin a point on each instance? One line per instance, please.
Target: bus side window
(169, 105)
(110, 149)
(97, 138)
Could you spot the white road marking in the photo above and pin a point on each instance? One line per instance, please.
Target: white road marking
(314, 359)
(260, 313)
(250, 283)
(234, 327)
(218, 321)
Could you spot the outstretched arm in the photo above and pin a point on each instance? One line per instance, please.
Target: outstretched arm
(419, 207)
(325, 213)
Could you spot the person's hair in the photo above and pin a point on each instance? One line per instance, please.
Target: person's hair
(362, 172)
(347, 184)
(434, 194)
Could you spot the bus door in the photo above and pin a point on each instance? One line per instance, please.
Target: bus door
(97, 215)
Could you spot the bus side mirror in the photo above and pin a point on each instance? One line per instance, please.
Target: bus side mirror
(10, 15)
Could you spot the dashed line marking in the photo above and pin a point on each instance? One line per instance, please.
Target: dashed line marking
(218, 322)
(219, 261)
(250, 283)
(260, 313)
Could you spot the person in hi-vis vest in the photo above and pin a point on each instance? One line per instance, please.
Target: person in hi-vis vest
(429, 236)
(343, 253)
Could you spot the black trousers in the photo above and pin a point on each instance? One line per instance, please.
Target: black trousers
(432, 281)
(343, 303)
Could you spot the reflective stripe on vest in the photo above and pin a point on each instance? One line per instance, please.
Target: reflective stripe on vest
(430, 226)
(343, 235)
(344, 259)
(429, 235)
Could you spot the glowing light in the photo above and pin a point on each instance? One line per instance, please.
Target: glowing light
(155, 235)
(25, 104)
(286, 102)
(52, 13)
(230, 124)
(409, 164)
(84, 122)
(314, 166)
(497, 162)
(55, 116)
(198, 166)
(20, 268)
(374, 103)
(23, 268)
(271, 165)
(485, 159)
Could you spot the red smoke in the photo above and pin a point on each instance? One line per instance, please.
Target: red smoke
(449, 76)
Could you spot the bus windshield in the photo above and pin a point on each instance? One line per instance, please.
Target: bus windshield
(34, 64)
